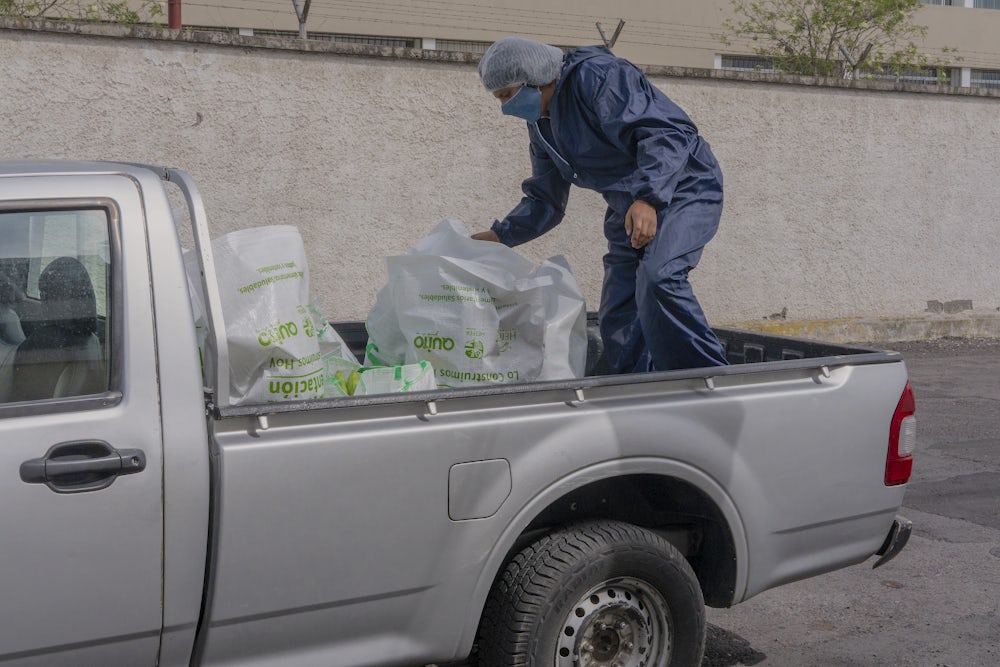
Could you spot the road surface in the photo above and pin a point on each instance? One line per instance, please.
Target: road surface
(938, 603)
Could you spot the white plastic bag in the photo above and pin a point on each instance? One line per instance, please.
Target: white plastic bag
(265, 309)
(394, 379)
(335, 354)
(346, 379)
(479, 312)
(274, 350)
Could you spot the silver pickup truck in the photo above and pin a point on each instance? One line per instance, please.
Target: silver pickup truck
(581, 522)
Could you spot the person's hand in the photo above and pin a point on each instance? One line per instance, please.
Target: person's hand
(488, 235)
(640, 223)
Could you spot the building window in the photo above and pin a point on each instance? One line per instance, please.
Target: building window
(373, 40)
(459, 45)
(277, 33)
(986, 4)
(747, 64)
(985, 78)
(395, 42)
(930, 76)
(212, 28)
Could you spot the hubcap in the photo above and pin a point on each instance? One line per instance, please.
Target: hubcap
(618, 623)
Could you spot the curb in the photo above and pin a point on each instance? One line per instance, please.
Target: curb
(971, 324)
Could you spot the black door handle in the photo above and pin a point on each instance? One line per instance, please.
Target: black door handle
(83, 465)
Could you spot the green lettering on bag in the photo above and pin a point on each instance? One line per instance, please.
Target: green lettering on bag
(433, 342)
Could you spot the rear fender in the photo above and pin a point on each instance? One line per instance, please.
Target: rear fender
(608, 470)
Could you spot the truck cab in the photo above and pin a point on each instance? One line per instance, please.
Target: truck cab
(84, 424)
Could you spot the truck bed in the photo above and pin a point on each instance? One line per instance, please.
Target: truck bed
(747, 352)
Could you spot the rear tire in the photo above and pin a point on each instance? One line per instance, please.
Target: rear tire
(595, 594)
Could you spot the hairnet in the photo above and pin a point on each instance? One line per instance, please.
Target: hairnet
(514, 61)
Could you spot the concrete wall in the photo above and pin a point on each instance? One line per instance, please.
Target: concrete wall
(841, 201)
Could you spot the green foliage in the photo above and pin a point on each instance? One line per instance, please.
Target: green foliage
(109, 11)
(26, 8)
(806, 36)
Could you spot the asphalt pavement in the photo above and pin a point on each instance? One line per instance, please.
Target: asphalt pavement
(937, 604)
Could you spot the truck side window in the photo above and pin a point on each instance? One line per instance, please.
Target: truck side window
(54, 297)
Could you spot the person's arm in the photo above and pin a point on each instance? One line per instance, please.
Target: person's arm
(542, 207)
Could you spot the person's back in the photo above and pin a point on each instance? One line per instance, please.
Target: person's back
(603, 107)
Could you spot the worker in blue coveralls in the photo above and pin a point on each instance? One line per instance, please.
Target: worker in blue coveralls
(595, 121)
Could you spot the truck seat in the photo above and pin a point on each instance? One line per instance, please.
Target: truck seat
(61, 356)
(11, 336)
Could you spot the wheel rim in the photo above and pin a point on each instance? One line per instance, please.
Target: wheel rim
(618, 623)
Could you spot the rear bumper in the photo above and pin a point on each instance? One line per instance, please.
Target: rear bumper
(899, 535)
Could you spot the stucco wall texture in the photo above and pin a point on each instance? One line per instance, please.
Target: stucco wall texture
(840, 202)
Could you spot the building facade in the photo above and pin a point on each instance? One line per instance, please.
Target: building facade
(680, 33)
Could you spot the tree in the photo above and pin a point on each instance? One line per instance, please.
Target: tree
(114, 11)
(831, 37)
(302, 14)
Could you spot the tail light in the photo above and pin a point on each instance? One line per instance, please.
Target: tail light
(902, 440)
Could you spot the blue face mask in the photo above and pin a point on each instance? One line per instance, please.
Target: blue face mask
(526, 104)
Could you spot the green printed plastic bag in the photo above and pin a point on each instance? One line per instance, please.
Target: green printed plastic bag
(418, 376)
(338, 360)
(274, 348)
(346, 379)
(479, 312)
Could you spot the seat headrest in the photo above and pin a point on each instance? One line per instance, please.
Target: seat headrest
(67, 295)
(10, 326)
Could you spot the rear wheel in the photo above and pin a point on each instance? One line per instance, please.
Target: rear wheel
(596, 594)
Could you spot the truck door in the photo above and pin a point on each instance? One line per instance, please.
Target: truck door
(81, 514)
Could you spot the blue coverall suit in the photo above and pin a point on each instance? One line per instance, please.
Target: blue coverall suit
(612, 131)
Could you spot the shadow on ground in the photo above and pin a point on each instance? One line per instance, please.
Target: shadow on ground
(726, 649)
(722, 649)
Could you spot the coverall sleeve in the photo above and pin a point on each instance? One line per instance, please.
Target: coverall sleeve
(644, 122)
(543, 205)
